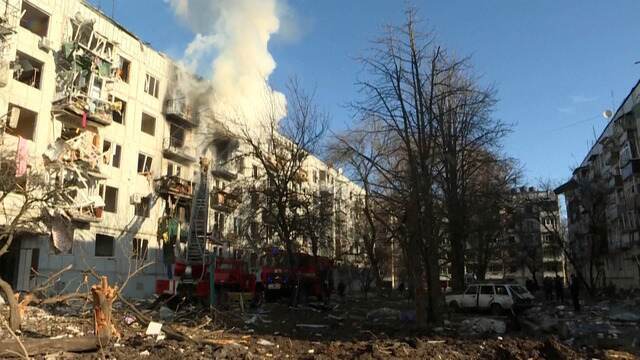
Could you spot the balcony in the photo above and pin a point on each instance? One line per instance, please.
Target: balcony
(174, 185)
(615, 181)
(174, 149)
(9, 16)
(225, 169)
(630, 169)
(179, 111)
(81, 110)
(627, 121)
(301, 176)
(224, 200)
(86, 209)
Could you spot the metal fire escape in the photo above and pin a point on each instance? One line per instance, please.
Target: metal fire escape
(197, 243)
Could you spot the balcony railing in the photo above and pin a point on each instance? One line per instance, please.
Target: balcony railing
(225, 169)
(82, 109)
(224, 200)
(175, 149)
(631, 168)
(179, 111)
(174, 185)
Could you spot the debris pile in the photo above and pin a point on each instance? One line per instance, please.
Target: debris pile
(606, 324)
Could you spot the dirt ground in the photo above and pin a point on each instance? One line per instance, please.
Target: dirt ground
(339, 330)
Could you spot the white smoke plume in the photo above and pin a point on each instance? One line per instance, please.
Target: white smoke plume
(235, 35)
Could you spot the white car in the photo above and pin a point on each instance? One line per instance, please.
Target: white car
(495, 297)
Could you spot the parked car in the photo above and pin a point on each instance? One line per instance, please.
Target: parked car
(495, 297)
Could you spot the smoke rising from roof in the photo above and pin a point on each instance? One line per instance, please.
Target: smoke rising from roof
(233, 35)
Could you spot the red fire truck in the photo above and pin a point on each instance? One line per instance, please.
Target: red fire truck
(308, 276)
(231, 275)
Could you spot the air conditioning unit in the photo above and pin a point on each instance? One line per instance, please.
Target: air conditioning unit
(136, 198)
(45, 44)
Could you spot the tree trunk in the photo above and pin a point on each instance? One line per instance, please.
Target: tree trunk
(15, 319)
(103, 297)
(50, 346)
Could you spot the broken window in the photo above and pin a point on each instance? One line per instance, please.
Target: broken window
(84, 35)
(110, 196)
(111, 153)
(174, 169)
(122, 69)
(28, 70)
(177, 135)
(118, 110)
(21, 122)
(96, 88)
(143, 209)
(151, 85)
(144, 163)
(139, 249)
(104, 245)
(148, 125)
(34, 20)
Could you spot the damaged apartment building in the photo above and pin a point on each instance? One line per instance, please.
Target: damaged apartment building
(529, 246)
(93, 108)
(603, 202)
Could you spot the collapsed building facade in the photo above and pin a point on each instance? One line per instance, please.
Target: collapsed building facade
(89, 105)
(603, 203)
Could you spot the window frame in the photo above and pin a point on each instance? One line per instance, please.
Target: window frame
(148, 159)
(139, 249)
(152, 85)
(145, 116)
(104, 237)
(103, 193)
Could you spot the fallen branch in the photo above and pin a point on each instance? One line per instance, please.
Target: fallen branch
(171, 332)
(19, 343)
(49, 346)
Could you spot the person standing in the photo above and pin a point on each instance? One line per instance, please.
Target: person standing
(559, 289)
(575, 292)
(547, 284)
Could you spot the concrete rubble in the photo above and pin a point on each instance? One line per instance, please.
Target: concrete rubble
(605, 323)
(482, 326)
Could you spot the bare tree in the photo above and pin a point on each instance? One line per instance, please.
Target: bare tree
(24, 200)
(404, 69)
(488, 199)
(282, 148)
(465, 131)
(360, 151)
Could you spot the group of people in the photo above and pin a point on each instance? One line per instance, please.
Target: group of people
(556, 285)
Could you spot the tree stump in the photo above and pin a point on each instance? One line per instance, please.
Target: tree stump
(103, 297)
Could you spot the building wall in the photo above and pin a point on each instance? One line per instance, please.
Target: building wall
(611, 165)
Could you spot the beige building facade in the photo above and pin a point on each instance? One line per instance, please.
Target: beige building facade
(96, 110)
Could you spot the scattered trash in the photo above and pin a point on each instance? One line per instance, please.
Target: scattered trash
(129, 320)
(145, 353)
(154, 328)
(625, 316)
(432, 342)
(312, 326)
(480, 326)
(383, 314)
(264, 342)
(311, 351)
(161, 336)
(166, 314)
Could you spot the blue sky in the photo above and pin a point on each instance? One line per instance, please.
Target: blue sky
(556, 64)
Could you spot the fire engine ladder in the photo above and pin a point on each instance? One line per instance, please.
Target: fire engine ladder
(196, 245)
